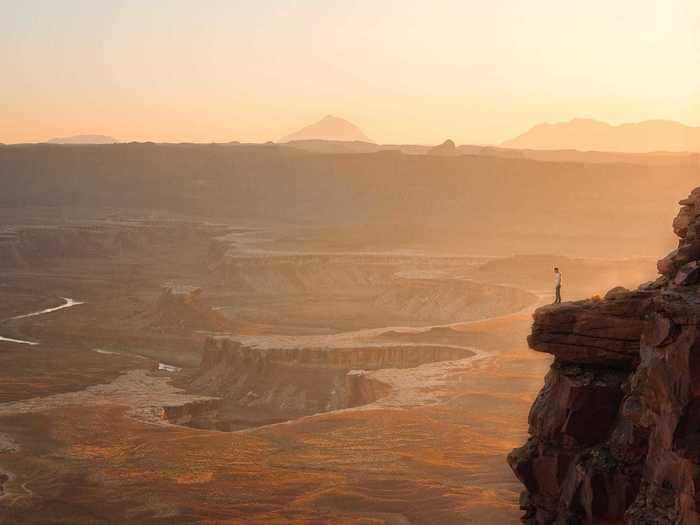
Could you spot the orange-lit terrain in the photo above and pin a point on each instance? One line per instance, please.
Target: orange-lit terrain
(343, 379)
(365, 262)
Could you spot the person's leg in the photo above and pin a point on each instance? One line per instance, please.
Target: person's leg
(558, 298)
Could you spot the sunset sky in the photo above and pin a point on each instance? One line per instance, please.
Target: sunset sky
(410, 72)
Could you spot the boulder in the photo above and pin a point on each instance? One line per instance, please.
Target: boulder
(667, 265)
(615, 293)
(688, 275)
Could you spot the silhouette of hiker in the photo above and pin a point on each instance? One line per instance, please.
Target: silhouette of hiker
(557, 286)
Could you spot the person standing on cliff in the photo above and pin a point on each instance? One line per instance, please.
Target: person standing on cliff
(557, 286)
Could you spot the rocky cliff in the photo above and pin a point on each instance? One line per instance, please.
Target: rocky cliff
(615, 431)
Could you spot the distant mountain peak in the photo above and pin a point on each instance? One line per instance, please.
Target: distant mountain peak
(84, 139)
(585, 120)
(329, 127)
(585, 134)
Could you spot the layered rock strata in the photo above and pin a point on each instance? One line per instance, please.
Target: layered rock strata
(263, 385)
(615, 431)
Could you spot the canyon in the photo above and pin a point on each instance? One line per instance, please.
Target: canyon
(289, 393)
(250, 348)
(98, 409)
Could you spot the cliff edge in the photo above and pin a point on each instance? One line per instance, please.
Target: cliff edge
(615, 431)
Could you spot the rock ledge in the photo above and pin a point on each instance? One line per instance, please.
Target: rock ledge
(615, 431)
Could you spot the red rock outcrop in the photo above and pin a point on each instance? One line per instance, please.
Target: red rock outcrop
(4, 478)
(182, 308)
(615, 431)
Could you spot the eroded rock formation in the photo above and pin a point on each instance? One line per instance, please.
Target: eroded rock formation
(182, 308)
(4, 478)
(259, 385)
(43, 245)
(447, 148)
(615, 431)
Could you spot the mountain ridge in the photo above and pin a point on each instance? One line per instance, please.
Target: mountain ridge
(329, 128)
(83, 139)
(585, 134)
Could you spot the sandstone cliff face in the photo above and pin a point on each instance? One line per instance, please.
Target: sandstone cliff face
(615, 431)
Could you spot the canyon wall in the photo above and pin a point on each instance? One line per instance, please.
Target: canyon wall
(263, 385)
(363, 291)
(615, 431)
(37, 246)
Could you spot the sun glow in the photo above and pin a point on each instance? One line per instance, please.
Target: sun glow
(405, 72)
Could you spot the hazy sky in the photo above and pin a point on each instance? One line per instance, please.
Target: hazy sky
(217, 70)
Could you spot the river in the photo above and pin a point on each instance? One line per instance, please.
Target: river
(67, 304)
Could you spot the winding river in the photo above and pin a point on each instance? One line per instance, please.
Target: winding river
(67, 304)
